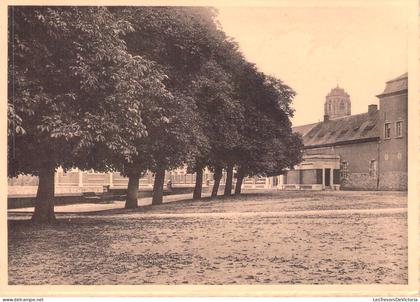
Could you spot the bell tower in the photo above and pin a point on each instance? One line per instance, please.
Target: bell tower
(337, 103)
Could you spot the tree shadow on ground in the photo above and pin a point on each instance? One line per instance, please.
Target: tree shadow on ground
(20, 225)
(18, 219)
(188, 203)
(191, 202)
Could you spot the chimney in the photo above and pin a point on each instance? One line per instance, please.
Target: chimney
(326, 118)
(372, 108)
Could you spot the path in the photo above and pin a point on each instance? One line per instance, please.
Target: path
(260, 238)
(103, 206)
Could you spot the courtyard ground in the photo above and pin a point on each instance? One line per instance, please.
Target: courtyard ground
(270, 237)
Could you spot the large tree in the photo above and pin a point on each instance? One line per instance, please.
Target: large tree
(180, 40)
(221, 118)
(73, 85)
(269, 146)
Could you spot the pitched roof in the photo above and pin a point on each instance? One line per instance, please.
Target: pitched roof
(399, 84)
(303, 129)
(337, 91)
(347, 129)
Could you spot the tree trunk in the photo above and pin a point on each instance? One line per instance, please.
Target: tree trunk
(239, 179)
(229, 177)
(132, 191)
(158, 186)
(44, 204)
(217, 177)
(198, 184)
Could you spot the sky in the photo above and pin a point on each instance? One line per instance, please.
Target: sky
(312, 49)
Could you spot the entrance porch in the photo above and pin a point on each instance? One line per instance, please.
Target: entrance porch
(316, 172)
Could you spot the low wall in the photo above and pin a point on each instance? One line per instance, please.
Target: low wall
(148, 191)
(28, 200)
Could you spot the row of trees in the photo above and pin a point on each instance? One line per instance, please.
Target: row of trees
(136, 89)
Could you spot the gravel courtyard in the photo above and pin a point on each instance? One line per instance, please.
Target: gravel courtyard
(271, 237)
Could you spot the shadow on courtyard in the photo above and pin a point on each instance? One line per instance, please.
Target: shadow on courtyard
(330, 238)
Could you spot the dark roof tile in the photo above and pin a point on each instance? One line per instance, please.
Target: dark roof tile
(303, 129)
(364, 126)
(399, 84)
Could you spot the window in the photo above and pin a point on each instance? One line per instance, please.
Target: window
(336, 176)
(308, 177)
(319, 176)
(398, 129)
(344, 170)
(387, 129)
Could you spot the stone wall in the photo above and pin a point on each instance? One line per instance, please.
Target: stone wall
(393, 181)
(359, 181)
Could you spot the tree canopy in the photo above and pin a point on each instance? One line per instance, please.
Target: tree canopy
(135, 89)
(73, 85)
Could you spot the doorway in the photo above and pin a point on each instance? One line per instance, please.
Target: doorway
(327, 178)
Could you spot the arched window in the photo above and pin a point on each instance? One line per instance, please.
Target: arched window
(342, 105)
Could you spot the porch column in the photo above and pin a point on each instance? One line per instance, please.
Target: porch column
(323, 178)
(80, 179)
(281, 181)
(332, 178)
(111, 179)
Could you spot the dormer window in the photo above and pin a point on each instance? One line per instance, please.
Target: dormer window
(369, 127)
(344, 131)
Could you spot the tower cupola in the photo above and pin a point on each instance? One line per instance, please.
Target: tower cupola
(337, 103)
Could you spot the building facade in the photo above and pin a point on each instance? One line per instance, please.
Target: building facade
(366, 151)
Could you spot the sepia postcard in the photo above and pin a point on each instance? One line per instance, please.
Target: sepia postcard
(210, 148)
